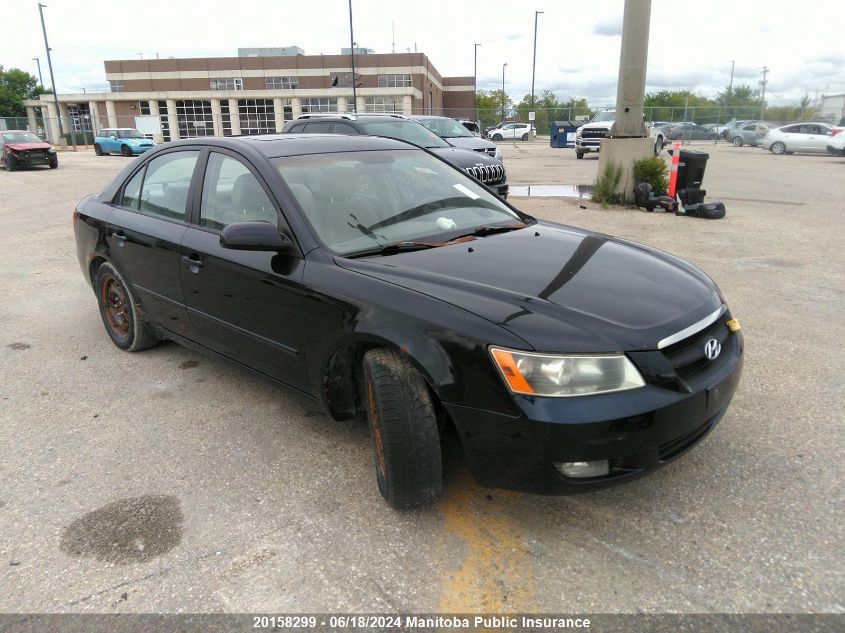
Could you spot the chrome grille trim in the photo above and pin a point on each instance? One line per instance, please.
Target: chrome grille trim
(486, 173)
(692, 329)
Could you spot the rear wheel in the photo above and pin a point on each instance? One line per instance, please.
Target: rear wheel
(778, 148)
(120, 312)
(125, 150)
(737, 141)
(97, 149)
(403, 428)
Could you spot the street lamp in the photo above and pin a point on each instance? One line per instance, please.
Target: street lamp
(504, 96)
(52, 79)
(352, 56)
(534, 61)
(475, 79)
(40, 80)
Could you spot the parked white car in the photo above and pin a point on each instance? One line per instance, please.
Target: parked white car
(798, 137)
(522, 131)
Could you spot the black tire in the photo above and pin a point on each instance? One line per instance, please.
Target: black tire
(403, 428)
(11, 163)
(525, 137)
(120, 312)
(125, 150)
(778, 148)
(579, 155)
(737, 141)
(497, 137)
(658, 147)
(98, 150)
(53, 162)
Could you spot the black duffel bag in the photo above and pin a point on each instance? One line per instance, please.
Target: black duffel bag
(706, 210)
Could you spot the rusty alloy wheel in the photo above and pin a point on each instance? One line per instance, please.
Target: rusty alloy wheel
(116, 307)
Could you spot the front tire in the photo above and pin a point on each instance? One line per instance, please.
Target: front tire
(53, 163)
(403, 429)
(778, 148)
(120, 313)
(658, 147)
(524, 137)
(11, 163)
(97, 149)
(737, 141)
(497, 137)
(579, 155)
(125, 150)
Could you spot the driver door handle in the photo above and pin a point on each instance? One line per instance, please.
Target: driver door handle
(193, 262)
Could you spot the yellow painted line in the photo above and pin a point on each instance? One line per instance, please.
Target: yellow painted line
(496, 575)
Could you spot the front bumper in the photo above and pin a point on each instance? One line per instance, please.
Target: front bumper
(637, 431)
(141, 149)
(34, 157)
(591, 145)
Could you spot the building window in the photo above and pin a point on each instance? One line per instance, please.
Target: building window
(344, 80)
(281, 83)
(165, 124)
(144, 107)
(225, 118)
(257, 116)
(382, 104)
(226, 83)
(319, 104)
(80, 117)
(394, 81)
(194, 119)
(116, 85)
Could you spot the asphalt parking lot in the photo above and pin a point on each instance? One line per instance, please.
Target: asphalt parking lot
(165, 481)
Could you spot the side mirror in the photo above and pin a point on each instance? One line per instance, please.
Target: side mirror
(255, 236)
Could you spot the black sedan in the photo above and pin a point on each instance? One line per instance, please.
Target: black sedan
(372, 276)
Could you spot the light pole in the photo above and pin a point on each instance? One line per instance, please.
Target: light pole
(352, 56)
(504, 96)
(52, 79)
(475, 79)
(534, 61)
(40, 80)
(731, 85)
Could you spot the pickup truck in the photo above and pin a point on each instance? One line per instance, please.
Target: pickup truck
(588, 137)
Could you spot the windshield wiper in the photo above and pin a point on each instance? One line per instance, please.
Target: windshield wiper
(484, 231)
(395, 247)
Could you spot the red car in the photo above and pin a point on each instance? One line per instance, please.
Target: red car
(21, 148)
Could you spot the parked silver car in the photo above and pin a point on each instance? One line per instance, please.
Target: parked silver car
(799, 137)
(750, 133)
(456, 134)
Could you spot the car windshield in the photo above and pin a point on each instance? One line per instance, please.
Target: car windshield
(404, 131)
(21, 137)
(604, 116)
(360, 201)
(446, 128)
(129, 134)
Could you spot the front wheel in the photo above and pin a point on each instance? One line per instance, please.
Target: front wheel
(778, 148)
(403, 429)
(53, 162)
(125, 150)
(658, 147)
(120, 312)
(524, 137)
(97, 149)
(11, 163)
(497, 137)
(737, 141)
(579, 155)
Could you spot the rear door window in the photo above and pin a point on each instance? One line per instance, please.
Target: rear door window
(132, 191)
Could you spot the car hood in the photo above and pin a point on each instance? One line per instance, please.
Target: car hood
(461, 157)
(558, 288)
(470, 142)
(22, 147)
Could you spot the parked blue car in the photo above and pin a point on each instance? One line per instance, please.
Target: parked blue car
(126, 140)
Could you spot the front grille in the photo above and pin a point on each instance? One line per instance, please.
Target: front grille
(486, 173)
(687, 356)
(593, 133)
(677, 446)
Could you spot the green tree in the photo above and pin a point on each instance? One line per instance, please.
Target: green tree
(669, 105)
(489, 104)
(545, 109)
(16, 86)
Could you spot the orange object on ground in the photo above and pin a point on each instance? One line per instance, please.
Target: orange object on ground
(673, 173)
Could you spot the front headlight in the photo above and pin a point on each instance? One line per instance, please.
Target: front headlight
(498, 155)
(133, 141)
(51, 151)
(560, 376)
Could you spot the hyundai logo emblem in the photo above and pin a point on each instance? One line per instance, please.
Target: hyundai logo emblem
(712, 349)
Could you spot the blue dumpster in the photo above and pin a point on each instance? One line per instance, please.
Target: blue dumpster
(562, 134)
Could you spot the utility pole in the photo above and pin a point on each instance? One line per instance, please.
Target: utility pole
(504, 96)
(731, 85)
(52, 79)
(534, 62)
(40, 80)
(352, 56)
(765, 71)
(475, 79)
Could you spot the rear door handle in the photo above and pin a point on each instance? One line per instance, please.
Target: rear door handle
(193, 262)
(120, 238)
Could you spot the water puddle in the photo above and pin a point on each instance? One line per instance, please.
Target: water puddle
(584, 192)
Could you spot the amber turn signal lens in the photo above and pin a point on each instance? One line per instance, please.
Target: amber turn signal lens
(733, 325)
(507, 365)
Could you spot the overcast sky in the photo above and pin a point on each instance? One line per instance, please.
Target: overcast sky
(691, 44)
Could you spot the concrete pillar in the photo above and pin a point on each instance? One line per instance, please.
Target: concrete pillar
(341, 104)
(633, 59)
(235, 116)
(296, 106)
(172, 122)
(94, 111)
(361, 107)
(279, 112)
(217, 117)
(408, 105)
(154, 111)
(30, 119)
(52, 124)
(111, 114)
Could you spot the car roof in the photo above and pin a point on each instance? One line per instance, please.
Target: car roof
(280, 145)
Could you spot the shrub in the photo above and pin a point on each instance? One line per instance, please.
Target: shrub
(604, 187)
(654, 172)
